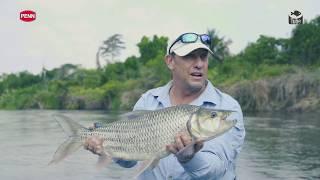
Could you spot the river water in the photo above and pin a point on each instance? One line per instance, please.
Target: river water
(282, 146)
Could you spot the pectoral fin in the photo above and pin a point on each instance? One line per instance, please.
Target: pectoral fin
(104, 160)
(144, 165)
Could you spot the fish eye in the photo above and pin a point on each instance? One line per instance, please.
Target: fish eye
(213, 114)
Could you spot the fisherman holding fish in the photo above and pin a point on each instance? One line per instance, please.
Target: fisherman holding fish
(190, 158)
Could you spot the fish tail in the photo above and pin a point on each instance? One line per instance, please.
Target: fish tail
(72, 144)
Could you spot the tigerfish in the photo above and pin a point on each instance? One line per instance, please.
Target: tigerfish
(143, 135)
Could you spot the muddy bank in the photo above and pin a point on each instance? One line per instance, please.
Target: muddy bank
(299, 92)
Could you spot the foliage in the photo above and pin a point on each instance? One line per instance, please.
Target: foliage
(44, 99)
(150, 48)
(266, 50)
(20, 80)
(120, 84)
(304, 46)
(18, 99)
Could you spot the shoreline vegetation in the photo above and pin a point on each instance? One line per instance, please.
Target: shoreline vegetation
(268, 75)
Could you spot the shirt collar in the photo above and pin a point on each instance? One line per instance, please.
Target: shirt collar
(162, 94)
(209, 95)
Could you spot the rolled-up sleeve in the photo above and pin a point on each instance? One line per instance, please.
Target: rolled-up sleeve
(204, 165)
(125, 163)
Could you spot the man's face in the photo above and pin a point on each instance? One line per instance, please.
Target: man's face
(191, 70)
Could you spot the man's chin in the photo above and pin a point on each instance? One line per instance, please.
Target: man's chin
(196, 86)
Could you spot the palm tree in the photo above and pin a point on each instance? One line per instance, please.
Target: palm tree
(218, 46)
(110, 49)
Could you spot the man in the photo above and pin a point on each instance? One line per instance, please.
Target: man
(187, 59)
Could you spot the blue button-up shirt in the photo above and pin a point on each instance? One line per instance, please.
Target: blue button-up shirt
(216, 160)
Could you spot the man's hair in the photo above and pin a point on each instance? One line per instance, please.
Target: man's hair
(172, 54)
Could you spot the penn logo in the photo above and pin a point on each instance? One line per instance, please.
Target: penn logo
(27, 16)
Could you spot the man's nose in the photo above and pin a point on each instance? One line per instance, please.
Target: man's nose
(199, 63)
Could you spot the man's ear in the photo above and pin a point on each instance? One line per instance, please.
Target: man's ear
(169, 61)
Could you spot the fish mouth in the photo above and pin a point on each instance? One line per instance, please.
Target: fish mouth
(224, 117)
(230, 121)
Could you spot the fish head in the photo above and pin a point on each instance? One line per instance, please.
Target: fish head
(209, 123)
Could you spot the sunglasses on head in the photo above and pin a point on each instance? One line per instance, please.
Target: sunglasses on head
(191, 38)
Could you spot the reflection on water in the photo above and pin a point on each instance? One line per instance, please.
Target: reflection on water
(276, 147)
(282, 146)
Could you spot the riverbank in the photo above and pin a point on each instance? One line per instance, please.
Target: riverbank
(298, 92)
(295, 91)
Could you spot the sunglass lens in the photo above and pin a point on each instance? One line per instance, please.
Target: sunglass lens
(205, 39)
(189, 38)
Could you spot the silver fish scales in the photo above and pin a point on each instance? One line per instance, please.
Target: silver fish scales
(142, 137)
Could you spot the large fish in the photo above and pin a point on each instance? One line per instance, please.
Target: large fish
(143, 135)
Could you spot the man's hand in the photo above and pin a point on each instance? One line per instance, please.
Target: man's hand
(94, 143)
(184, 148)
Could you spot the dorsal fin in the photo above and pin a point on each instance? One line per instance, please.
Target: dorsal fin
(133, 114)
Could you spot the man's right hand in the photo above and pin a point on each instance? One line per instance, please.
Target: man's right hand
(94, 144)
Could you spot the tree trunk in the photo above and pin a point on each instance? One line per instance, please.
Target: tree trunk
(97, 60)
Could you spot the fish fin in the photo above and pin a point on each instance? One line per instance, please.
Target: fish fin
(73, 143)
(133, 114)
(147, 164)
(66, 148)
(70, 126)
(103, 160)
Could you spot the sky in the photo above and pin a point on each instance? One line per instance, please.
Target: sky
(71, 31)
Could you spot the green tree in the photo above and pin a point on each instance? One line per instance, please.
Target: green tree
(20, 80)
(87, 78)
(114, 71)
(265, 50)
(304, 45)
(132, 67)
(60, 89)
(65, 71)
(1, 88)
(150, 48)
